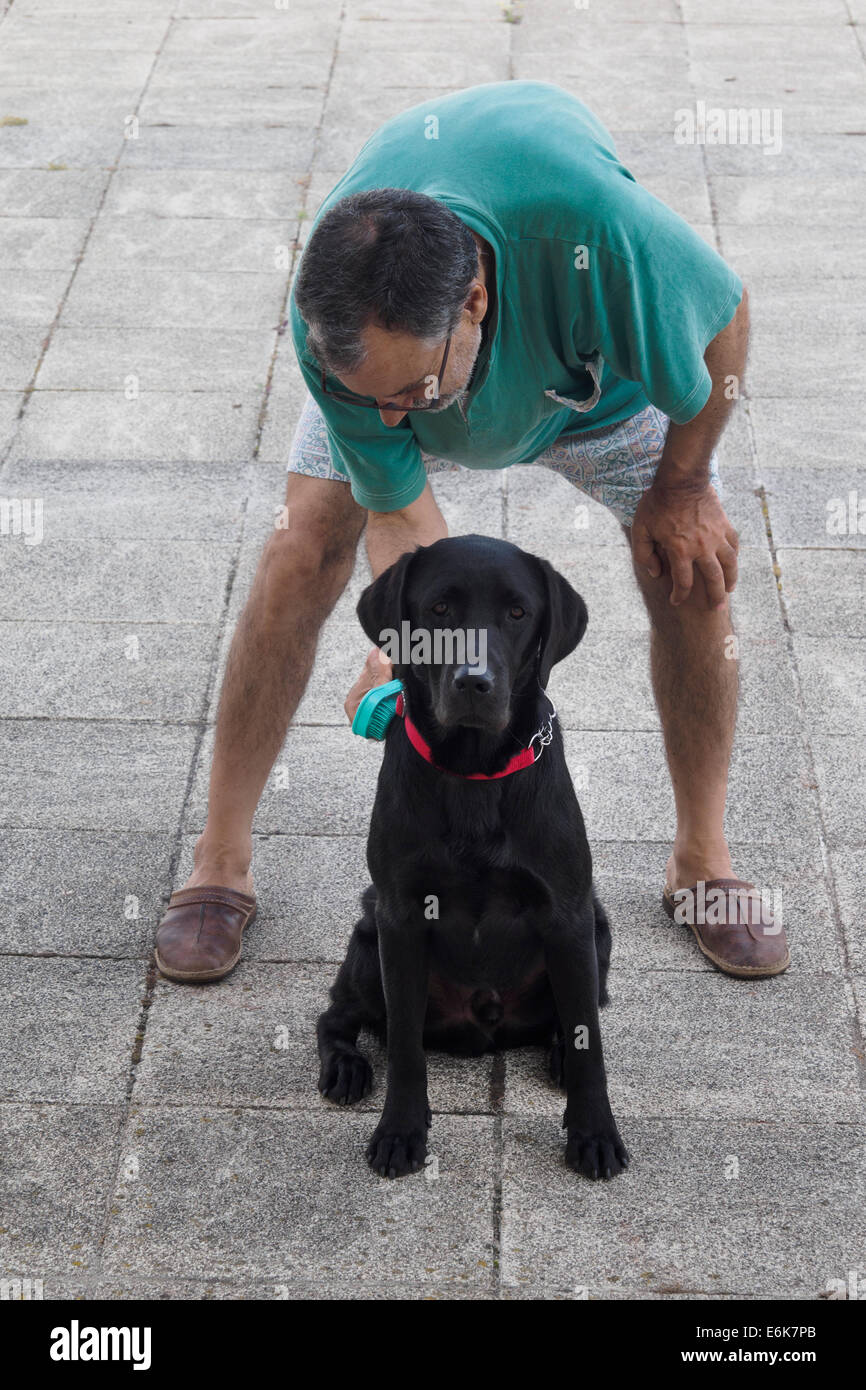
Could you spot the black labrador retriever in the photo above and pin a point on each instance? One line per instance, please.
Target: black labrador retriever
(481, 929)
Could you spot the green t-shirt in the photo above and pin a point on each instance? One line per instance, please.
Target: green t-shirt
(590, 268)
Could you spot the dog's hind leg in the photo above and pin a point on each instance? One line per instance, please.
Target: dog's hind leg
(602, 946)
(357, 1001)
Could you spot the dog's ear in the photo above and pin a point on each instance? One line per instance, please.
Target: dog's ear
(564, 622)
(381, 605)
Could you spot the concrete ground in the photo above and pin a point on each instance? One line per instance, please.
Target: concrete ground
(160, 161)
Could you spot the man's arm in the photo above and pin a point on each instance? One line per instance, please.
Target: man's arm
(390, 534)
(680, 516)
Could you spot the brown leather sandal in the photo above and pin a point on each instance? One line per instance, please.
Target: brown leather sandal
(742, 938)
(199, 938)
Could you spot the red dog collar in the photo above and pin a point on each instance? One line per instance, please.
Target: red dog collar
(525, 758)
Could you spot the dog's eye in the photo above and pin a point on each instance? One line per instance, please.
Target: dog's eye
(440, 609)
(516, 611)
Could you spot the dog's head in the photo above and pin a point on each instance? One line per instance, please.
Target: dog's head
(474, 621)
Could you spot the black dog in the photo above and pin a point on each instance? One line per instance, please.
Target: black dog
(481, 929)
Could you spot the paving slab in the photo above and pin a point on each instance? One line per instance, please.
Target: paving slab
(804, 309)
(106, 670)
(410, 68)
(251, 41)
(113, 581)
(247, 147)
(233, 363)
(119, 296)
(58, 1166)
(82, 893)
(839, 769)
(250, 1040)
(41, 243)
(20, 350)
(136, 500)
(212, 244)
(10, 407)
(739, 12)
(752, 202)
(227, 193)
(831, 362)
(823, 591)
(415, 11)
(849, 877)
(831, 677)
(859, 987)
(288, 1194)
(817, 510)
(24, 31)
(49, 144)
(156, 425)
(793, 434)
(93, 776)
(815, 84)
(765, 252)
(32, 64)
(32, 296)
(688, 1045)
(182, 90)
(675, 1222)
(624, 789)
(51, 192)
(84, 1014)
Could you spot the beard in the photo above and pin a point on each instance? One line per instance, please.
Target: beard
(461, 363)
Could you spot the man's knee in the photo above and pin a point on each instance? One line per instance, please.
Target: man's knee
(311, 551)
(657, 593)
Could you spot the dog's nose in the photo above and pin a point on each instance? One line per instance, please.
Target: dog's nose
(470, 679)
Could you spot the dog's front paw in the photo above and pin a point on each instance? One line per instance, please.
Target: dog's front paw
(598, 1154)
(395, 1150)
(345, 1078)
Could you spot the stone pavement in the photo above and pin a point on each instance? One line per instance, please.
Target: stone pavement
(160, 161)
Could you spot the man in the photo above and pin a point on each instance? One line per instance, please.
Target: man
(487, 285)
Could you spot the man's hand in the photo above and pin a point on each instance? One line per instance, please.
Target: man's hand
(377, 671)
(686, 525)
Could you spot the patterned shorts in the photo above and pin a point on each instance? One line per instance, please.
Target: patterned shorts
(614, 465)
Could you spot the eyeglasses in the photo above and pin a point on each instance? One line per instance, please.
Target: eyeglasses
(366, 403)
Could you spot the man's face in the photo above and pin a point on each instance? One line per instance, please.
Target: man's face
(402, 370)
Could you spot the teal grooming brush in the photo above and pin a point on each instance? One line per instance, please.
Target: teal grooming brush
(376, 710)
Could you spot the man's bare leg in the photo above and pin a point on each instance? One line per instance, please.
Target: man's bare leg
(696, 686)
(301, 574)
